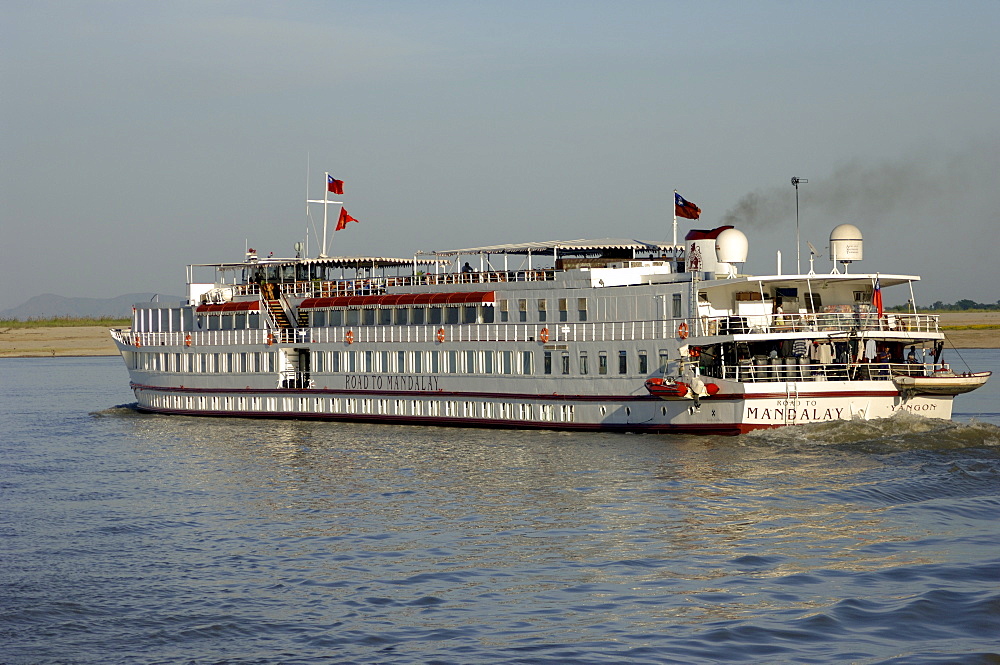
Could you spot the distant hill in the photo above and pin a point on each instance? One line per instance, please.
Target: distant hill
(48, 306)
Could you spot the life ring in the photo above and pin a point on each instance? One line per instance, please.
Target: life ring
(682, 330)
(187, 339)
(138, 340)
(270, 339)
(349, 337)
(543, 334)
(440, 335)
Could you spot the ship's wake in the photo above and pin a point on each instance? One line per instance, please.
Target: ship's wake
(118, 411)
(903, 431)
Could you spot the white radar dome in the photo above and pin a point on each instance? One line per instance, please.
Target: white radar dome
(731, 246)
(845, 244)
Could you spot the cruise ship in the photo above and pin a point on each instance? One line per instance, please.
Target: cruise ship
(611, 334)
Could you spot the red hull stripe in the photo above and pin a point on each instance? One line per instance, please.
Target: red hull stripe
(486, 395)
(402, 299)
(721, 428)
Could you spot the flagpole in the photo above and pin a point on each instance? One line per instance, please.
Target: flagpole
(326, 205)
(674, 206)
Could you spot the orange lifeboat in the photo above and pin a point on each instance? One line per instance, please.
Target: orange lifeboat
(670, 389)
(667, 389)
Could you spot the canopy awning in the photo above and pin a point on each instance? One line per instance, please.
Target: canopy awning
(229, 307)
(562, 247)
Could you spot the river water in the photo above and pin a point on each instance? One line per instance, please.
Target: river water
(130, 538)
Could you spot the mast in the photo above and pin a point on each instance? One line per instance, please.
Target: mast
(326, 205)
(675, 224)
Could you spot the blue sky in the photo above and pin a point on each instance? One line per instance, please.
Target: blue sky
(138, 137)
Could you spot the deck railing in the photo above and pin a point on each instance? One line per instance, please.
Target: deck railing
(551, 332)
(802, 369)
(819, 322)
(378, 285)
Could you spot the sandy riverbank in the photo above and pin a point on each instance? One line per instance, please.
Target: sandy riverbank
(96, 341)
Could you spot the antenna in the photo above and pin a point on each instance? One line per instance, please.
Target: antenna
(812, 253)
(795, 184)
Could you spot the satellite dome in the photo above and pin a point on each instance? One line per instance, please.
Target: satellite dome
(845, 244)
(731, 246)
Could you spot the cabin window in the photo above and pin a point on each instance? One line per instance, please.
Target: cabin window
(384, 316)
(434, 316)
(451, 315)
(353, 317)
(564, 309)
(527, 362)
(335, 317)
(384, 360)
(506, 362)
(319, 319)
(584, 368)
(643, 363)
(254, 321)
(581, 307)
(522, 310)
(417, 360)
(401, 316)
(452, 358)
(502, 304)
(435, 358)
(565, 362)
(813, 302)
(368, 317)
(676, 306)
(623, 362)
(542, 309)
(602, 362)
(547, 362)
(401, 361)
(352, 361)
(417, 316)
(469, 314)
(240, 321)
(664, 359)
(486, 314)
(488, 361)
(470, 362)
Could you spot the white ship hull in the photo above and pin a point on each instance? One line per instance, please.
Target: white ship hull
(579, 345)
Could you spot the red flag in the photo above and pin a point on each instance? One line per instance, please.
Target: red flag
(685, 209)
(877, 298)
(344, 219)
(334, 185)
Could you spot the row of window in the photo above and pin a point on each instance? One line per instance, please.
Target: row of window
(352, 405)
(403, 362)
(203, 363)
(505, 311)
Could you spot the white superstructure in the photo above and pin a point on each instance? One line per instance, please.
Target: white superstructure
(612, 334)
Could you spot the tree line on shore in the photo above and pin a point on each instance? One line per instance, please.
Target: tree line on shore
(964, 305)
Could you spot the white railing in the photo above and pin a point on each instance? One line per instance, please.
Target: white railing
(795, 369)
(552, 332)
(379, 285)
(820, 322)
